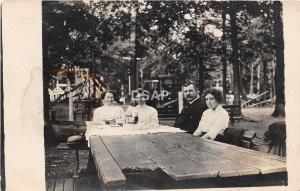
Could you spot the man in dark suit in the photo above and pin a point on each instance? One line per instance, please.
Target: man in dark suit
(193, 107)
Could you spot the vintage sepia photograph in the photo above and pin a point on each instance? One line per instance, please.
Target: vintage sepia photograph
(163, 94)
(148, 95)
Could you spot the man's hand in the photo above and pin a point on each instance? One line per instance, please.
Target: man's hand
(197, 133)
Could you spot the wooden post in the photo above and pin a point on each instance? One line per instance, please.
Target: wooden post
(258, 79)
(251, 80)
(71, 115)
(129, 83)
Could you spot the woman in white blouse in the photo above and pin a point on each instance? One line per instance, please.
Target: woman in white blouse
(105, 115)
(215, 119)
(108, 112)
(146, 114)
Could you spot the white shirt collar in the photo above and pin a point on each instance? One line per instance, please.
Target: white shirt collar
(194, 99)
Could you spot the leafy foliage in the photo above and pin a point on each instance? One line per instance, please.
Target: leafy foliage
(180, 37)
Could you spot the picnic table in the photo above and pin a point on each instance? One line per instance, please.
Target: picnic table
(119, 153)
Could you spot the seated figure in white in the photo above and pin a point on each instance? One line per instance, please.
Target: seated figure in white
(145, 114)
(108, 112)
(104, 116)
(215, 119)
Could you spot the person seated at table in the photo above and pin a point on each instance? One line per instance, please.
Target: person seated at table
(109, 112)
(193, 108)
(215, 119)
(145, 114)
(130, 108)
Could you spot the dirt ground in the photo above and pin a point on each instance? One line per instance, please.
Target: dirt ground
(61, 164)
(257, 119)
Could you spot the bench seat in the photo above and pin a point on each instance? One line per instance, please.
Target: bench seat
(69, 184)
(66, 184)
(64, 146)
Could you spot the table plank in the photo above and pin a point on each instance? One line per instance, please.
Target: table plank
(123, 149)
(224, 167)
(249, 151)
(180, 155)
(109, 172)
(239, 155)
(173, 163)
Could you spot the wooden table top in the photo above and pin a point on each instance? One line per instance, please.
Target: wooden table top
(181, 156)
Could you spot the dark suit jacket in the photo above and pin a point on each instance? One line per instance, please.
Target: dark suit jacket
(190, 115)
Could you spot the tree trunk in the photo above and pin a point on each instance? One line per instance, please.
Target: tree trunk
(201, 73)
(224, 58)
(251, 80)
(264, 86)
(279, 70)
(243, 83)
(258, 79)
(133, 67)
(235, 62)
(265, 81)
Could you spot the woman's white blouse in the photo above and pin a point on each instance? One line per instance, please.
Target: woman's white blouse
(213, 122)
(107, 113)
(146, 114)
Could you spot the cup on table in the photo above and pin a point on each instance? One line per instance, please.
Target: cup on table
(110, 121)
(120, 122)
(135, 117)
(129, 120)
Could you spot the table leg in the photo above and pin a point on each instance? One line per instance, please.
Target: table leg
(77, 169)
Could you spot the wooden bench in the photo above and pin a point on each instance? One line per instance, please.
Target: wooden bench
(69, 184)
(70, 124)
(64, 146)
(78, 128)
(237, 136)
(60, 185)
(68, 128)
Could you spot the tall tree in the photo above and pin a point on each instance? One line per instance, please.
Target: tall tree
(234, 58)
(224, 58)
(279, 71)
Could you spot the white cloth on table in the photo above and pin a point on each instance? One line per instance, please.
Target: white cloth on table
(107, 113)
(93, 130)
(146, 114)
(127, 129)
(213, 122)
(100, 115)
